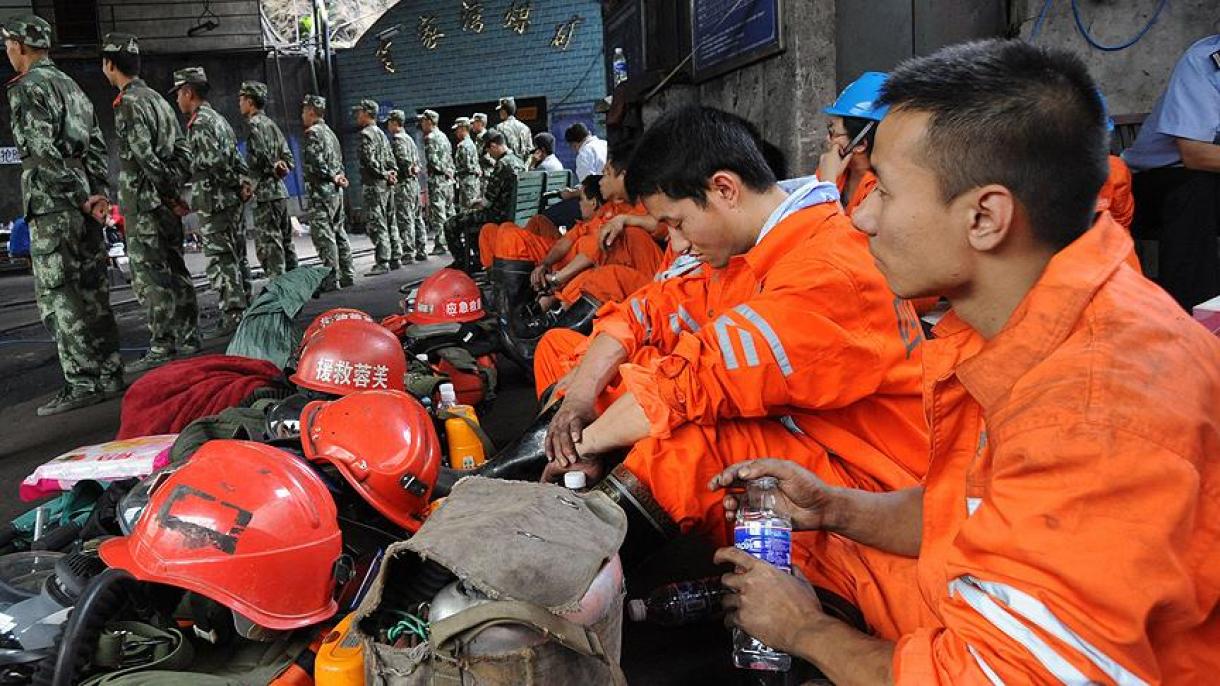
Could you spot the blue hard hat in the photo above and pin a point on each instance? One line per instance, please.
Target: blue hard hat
(859, 99)
(1105, 111)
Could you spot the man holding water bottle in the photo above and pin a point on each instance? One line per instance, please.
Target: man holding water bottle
(1067, 528)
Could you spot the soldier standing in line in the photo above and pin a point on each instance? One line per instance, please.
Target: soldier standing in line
(378, 172)
(216, 173)
(496, 206)
(63, 197)
(478, 131)
(438, 154)
(516, 134)
(270, 160)
(154, 162)
(466, 166)
(325, 179)
(408, 218)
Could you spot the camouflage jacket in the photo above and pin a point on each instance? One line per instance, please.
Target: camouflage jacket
(147, 131)
(376, 157)
(440, 158)
(323, 160)
(266, 146)
(502, 188)
(407, 156)
(466, 159)
(517, 136)
(216, 166)
(63, 153)
(486, 161)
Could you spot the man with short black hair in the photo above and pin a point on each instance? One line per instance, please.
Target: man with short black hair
(543, 156)
(216, 173)
(1066, 530)
(64, 192)
(270, 160)
(786, 342)
(154, 162)
(590, 150)
(462, 230)
(516, 133)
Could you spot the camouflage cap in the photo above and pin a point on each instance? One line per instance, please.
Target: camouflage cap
(430, 115)
(253, 89)
(29, 30)
(120, 42)
(398, 116)
(461, 121)
(478, 116)
(315, 101)
(367, 105)
(507, 102)
(190, 75)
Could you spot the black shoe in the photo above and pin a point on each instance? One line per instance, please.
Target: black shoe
(421, 257)
(154, 358)
(113, 387)
(378, 270)
(347, 283)
(70, 399)
(395, 265)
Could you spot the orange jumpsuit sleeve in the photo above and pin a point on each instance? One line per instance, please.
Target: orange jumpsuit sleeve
(1122, 199)
(809, 340)
(1079, 544)
(655, 315)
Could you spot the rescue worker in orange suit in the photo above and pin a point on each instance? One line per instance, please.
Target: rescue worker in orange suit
(850, 131)
(787, 341)
(1066, 530)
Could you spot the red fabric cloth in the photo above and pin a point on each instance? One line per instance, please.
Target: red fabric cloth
(169, 397)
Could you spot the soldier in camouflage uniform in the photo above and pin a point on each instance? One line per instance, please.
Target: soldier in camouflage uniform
(378, 173)
(518, 136)
(408, 218)
(326, 180)
(270, 160)
(439, 157)
(154, 162)
(478, 131)
(63, 196)
(466, 167)
(495, 207)
(216, 173)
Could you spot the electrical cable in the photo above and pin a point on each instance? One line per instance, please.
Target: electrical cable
(1046, 6)
(1156, 14)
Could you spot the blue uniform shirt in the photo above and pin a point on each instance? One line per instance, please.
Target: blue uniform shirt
(1189, 108)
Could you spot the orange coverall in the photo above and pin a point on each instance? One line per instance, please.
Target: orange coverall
(628, 264)
(511, 242)
(867, 183)
(1072, 508)
(796, 348)
(1117, 198)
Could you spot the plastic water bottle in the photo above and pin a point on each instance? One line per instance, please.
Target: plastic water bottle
(575, 481)
(465, 448)
(620, 67)
(767, 535)
(684, 602)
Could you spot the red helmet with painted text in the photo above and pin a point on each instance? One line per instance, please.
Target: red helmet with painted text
(384, 444)
(329, 317)
(349, 356)
(447, 296)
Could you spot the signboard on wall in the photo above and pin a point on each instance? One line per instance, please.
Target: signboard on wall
(729, 34)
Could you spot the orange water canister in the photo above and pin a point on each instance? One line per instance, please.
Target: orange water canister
(465, 448)
(340, 659)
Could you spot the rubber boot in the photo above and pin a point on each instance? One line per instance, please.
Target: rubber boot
(511, 285)
(579, 318)
(649, 527)
(522, 460)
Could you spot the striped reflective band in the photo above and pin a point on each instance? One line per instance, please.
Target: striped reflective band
(638, 310)
(674, 324)
(721, 327)
(687, 319)
(987, 670)
(998, 602)
(747, 346)
(768, 333)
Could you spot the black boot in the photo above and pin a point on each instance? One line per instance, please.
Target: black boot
(579, 317)
(511, 285)
(648, 525)
(522, 460)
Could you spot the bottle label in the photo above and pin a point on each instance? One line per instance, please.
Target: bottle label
(767, 542)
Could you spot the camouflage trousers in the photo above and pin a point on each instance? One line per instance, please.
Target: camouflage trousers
(160, 279)
(469, 191)
(462, 233)
(440, 209)
(73, 296)
(273, 237)
(378, 215)
(223, 247)
(329, 233)
(408, 220)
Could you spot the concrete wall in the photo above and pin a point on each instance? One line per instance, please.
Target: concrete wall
(162, 25)
(469, 68)
(1134, 78)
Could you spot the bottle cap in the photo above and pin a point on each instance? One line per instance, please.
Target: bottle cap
(636, 609)
(447, 393)
(422, 357)
(574, 480)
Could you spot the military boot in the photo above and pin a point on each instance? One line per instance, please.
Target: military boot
(155, 357)
(70, 399)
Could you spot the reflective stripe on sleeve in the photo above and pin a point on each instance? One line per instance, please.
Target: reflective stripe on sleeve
(726, 344)
(768, 333)
(986, 668)
(747, 346)
(688, 320)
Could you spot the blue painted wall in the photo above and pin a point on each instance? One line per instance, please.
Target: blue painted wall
(469, 67)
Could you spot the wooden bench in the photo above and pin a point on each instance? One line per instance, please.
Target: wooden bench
(528, 200)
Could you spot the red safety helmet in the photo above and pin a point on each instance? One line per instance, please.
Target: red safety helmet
(249, 526)
(352, 355)
(384, 443)
(447, 296)
(337, 314)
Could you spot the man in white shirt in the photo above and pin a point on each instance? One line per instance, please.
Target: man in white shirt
(543, 157)
(590, 150)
